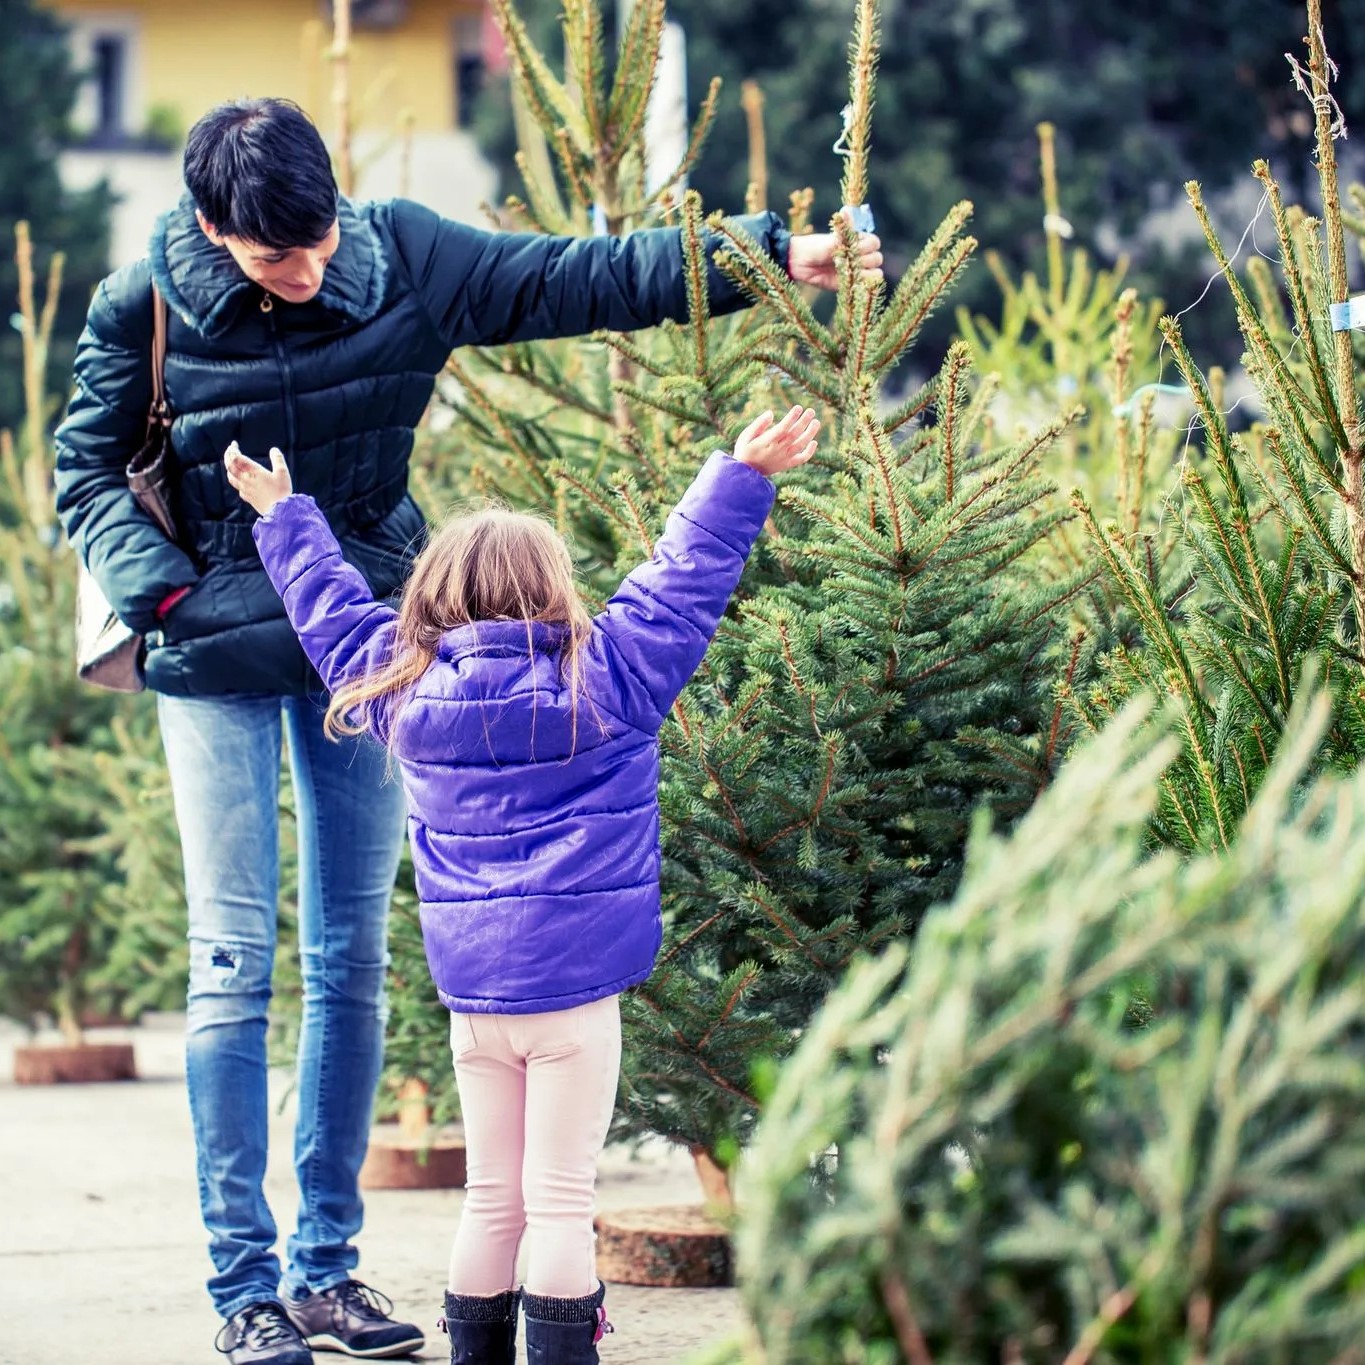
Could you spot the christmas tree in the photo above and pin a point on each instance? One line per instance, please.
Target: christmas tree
(1110, 1109)
(58, 908)
(887, 663)
(1073, 339)
(1270, 559)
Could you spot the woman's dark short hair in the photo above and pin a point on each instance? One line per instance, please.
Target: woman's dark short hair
(258, 169)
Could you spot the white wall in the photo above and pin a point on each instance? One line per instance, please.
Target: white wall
(448, 174)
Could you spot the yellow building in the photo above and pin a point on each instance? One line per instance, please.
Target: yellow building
(153, 66)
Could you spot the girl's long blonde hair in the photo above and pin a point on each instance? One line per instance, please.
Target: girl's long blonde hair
(491, 564)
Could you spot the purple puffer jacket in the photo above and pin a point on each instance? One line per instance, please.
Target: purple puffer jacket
(537, 859)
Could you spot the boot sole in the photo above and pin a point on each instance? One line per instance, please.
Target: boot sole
(324, 1341)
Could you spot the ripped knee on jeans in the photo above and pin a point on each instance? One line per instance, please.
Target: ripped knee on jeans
(229, 980)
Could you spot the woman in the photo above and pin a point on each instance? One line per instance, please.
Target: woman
(295, 311)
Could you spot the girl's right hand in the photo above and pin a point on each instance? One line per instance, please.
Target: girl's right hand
(772, 449)
(262, 488)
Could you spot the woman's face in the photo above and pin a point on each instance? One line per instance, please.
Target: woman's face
(294, 275)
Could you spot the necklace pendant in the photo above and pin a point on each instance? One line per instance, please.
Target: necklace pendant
(267, 304)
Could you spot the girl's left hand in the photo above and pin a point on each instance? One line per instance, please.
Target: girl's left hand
(262, 488)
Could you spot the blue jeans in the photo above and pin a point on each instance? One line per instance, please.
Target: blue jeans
(224, 760)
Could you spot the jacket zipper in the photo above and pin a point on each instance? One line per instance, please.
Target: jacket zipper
(286, 374)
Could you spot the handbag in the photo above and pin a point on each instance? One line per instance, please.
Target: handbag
(109, 654)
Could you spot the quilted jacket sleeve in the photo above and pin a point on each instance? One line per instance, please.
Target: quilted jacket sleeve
(485, 288)
(344, 631)
(655, 631)
(125, 550)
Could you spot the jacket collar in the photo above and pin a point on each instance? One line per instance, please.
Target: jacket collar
(204, 286)
(501, 637)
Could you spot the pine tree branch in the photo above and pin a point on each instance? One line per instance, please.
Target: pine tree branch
(583, 39)
(952, 391)
(695, 278)
(686, 1050)
(636, 355)
(746, 263)
(1298, 295)
(1258, 338)
(784, 929)
(727, 1009)
(636, 72)
(1114, 1309)
(701, 130)
(577, 167)
(896, 1297)
(1320, 75)
(891, 481)
(546, 96)
(564, 394)
(807, 376)
(1138, 591)
(819, 511)
(667, 957)
(1352, 452)
(1317, 527)
(491, 413)
(811, 818)
(908, 311)
(916, 405)
(533, 162)
(652, 398)
(862, 73)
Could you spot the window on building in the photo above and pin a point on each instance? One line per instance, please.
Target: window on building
(109, 73)
(470, 67)
(108, 110)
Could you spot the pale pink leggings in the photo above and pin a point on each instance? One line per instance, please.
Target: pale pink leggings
(536, 1094)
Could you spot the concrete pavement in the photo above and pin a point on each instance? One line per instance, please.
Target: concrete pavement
(102, 1256)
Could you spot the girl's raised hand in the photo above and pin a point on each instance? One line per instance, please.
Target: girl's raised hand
(771, 449)
(262, 488)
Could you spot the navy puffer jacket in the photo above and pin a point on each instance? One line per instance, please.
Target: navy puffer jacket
(338, 384)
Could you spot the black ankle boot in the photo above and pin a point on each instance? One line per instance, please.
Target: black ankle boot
(565, 1331)
(483, 1331)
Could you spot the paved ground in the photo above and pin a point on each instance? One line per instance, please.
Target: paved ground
(102, 1256)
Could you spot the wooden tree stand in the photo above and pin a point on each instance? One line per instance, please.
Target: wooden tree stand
(671, 1246)
(79, 1063)
(412, 1156)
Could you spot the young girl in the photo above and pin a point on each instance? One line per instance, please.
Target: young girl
(526, 735)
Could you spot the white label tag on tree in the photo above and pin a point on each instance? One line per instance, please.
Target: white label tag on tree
(1348, 316)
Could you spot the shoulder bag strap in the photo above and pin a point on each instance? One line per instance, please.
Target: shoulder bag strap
(146, 471)
(159, 411)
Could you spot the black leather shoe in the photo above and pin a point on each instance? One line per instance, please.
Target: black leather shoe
(356, 1320)
(261, 1334)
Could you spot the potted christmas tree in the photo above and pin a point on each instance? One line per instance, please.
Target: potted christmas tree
(887, 662)
(56, 920)
(1271, 546)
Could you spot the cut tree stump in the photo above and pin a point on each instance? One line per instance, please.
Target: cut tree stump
(673, 1246)
(78, 1063)
(397, 1162)
(413, 1157)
